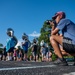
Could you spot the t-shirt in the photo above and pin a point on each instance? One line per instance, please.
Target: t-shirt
(25, 46)
(34, 47)
(43, 49)
(68, 28)
(11, 42)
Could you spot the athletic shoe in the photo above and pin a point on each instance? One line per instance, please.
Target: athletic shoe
(61, 62)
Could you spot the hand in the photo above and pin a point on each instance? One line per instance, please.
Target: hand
(51, 23)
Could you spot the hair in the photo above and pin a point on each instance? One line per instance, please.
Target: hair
(63, 15)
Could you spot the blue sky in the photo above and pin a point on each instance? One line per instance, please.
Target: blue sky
(29, 15)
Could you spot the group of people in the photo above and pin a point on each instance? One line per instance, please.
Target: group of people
(22, 54)
(46, 53)
(10, 52)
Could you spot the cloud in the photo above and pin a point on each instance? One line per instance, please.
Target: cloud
(34, 34)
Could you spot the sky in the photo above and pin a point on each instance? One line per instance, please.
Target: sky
(28, 16)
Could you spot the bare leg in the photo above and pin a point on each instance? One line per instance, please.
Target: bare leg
(55, 41)
(63, 51)
(25, 56)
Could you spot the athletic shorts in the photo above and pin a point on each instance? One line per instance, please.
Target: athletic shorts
(34, 53)
(25, 51)
(68, 45)
(11, 49)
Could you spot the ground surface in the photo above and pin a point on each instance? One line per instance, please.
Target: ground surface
(34, 68)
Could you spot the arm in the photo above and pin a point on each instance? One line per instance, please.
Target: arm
(55, 31)
(23, 43)
(8, 45)
(16, 41)
(60, 26)
(52, 25)
(32, 48)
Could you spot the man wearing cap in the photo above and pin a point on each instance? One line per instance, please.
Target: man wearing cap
(67, 41)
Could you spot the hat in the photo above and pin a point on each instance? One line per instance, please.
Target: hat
(59, 13)
(10, 32)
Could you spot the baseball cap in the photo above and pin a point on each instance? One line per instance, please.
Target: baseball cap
(59, 13)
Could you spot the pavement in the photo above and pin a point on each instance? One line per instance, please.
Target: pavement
(35, 68)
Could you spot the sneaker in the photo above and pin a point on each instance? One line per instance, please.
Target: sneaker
(74, 64)
(60, 62)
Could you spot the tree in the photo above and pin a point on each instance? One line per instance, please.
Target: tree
(45, 33)
(1, 45)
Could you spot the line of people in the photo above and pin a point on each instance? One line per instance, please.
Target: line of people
(22, 55)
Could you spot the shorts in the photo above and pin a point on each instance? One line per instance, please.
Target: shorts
(5, 53)
(43, 53)
(25, 51)
(68, 45)
(11, 50)
(34, 53)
